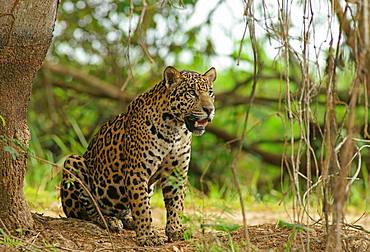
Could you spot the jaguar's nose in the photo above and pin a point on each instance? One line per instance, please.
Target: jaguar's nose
(208, 110)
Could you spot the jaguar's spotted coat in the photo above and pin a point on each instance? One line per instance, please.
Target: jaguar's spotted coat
(148, 145)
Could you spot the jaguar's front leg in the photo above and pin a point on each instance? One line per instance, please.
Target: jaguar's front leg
(174, 193)
(140, 209)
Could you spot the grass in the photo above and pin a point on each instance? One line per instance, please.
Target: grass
(42, 192)
(24, 244)
(215, 216)
(42, 187)
(41, 200)
(8, 241)
(42, 180)
(217, 212)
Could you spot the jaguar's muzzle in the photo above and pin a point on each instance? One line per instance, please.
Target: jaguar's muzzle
(196, 125)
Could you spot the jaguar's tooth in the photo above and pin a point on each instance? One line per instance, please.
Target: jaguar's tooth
(196, 124)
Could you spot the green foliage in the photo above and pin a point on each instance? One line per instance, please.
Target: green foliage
(2, 120)
(294, 226)
(219, 245)
(22, 244)
(11, 151)
(202, 223)
(93, 39)
(42, 200)
(8, 241)
(222, 226)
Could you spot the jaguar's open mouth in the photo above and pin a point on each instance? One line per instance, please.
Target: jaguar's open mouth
(195, 125)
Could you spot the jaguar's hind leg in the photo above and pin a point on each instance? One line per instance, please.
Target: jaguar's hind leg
(75, 183)
(76, 201)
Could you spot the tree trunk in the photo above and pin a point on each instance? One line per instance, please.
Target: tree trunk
(25, 35)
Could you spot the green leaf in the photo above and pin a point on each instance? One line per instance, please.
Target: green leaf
(2, 120)
(188, 234)
(225, 227)
(8, 241)
(12, 152)
(284, 224)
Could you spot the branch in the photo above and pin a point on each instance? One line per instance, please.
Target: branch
(344, 23)
(84, 89)
(234, 142)
(232, 99)
(229, 99)
(99, 86)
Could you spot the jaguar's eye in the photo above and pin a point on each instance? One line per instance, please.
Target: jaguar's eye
(210, 92)
(192, 93)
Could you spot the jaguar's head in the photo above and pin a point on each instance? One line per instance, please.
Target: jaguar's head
(191, 97)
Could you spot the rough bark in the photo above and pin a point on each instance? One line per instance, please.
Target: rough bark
(25, 35)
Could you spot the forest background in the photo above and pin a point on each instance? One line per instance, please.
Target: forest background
(287, 75)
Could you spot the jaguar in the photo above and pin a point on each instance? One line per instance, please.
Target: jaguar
(111, 184)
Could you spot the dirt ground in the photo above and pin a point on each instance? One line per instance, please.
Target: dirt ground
(76, 235)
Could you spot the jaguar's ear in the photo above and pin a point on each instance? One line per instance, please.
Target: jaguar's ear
(171, 76)
(211, 75)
